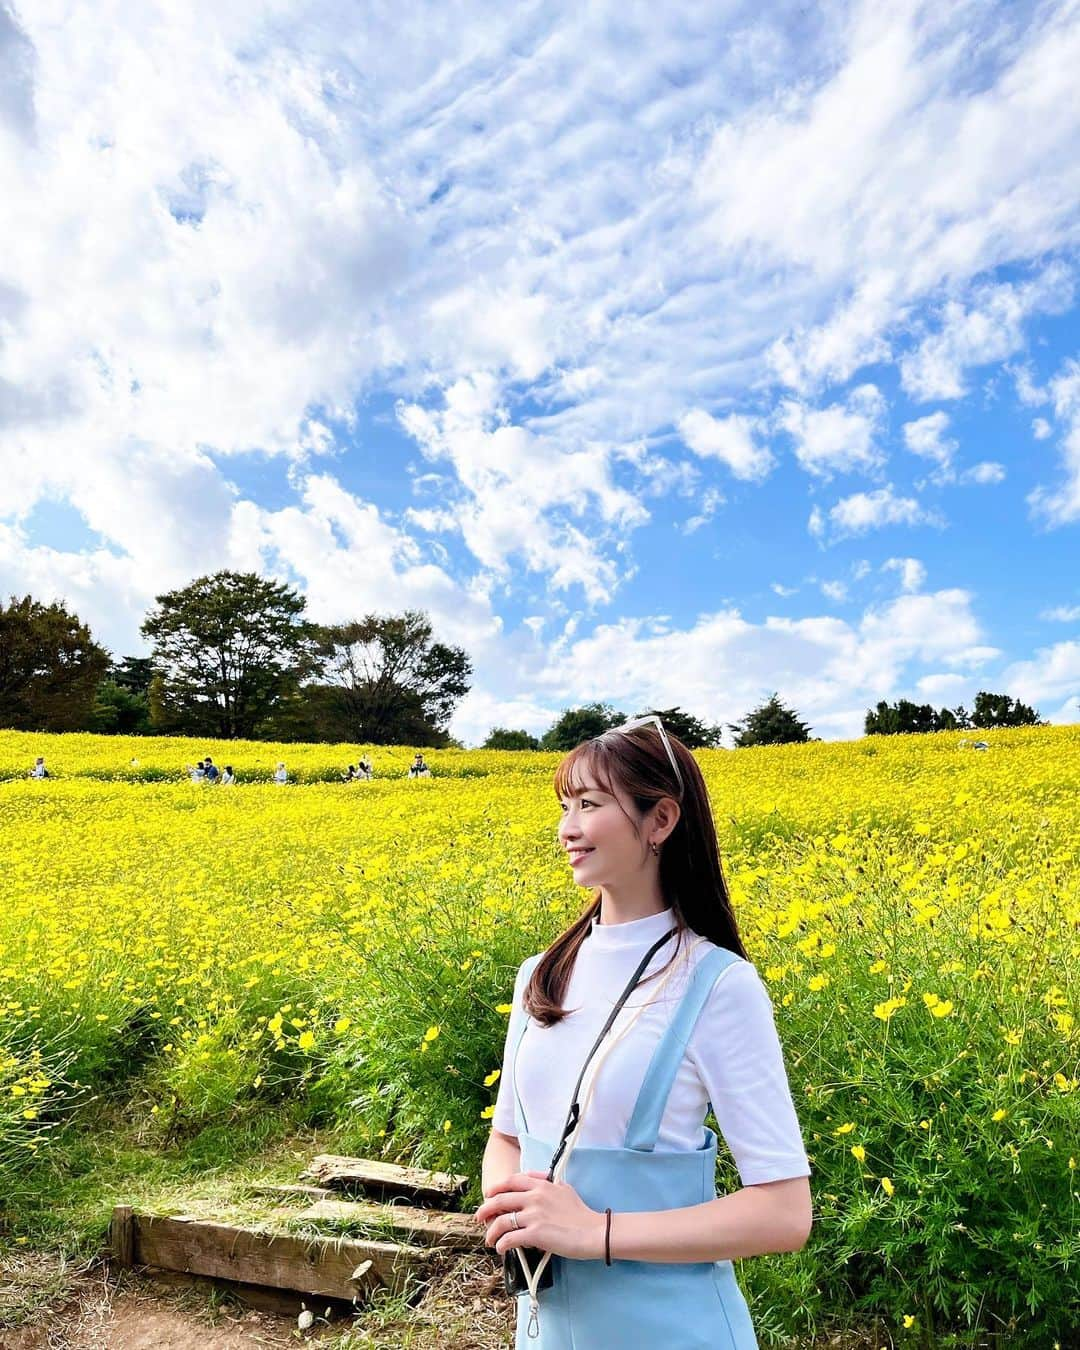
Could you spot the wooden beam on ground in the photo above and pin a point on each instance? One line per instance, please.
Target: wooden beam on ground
(456, 1232)
(122, 1236)
(387, 1180)
(326, 1267)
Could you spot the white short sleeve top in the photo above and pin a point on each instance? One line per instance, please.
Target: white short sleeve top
(733, 1058)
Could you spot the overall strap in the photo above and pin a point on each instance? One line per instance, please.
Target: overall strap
(644, 1126)
(512, 1050)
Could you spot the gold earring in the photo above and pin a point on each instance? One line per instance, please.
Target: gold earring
(655, 850)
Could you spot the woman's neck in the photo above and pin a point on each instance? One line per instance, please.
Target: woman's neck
(624, 904)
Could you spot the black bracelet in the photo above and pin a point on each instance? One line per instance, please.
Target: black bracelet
(607, 1239)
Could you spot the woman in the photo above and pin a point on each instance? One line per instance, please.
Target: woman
(642, 1245)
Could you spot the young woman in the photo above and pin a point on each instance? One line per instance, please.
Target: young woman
(641, 1244)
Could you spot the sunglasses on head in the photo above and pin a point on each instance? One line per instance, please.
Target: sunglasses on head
(652, 720)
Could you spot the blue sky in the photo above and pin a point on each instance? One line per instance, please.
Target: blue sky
(663, 355)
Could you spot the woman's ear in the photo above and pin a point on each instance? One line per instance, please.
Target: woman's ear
(666, 814)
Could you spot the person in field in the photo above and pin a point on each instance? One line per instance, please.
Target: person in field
(196, 772)
(228, 778)
(210, 771)
(363, 769)
(641, 1016)
(38, 769)
(281, 774)
(418, 768)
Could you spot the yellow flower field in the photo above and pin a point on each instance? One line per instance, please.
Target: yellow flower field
(346, 951)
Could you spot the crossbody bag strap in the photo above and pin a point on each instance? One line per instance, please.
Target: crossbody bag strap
(575, 1108)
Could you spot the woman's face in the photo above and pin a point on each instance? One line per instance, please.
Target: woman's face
(598, 833)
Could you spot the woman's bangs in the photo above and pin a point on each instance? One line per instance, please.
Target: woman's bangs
(584, 762)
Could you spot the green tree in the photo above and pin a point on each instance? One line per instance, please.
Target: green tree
(502, 738)
(574, 725)
(905, 717)
(227, 649)
(50, 667)
(769, 724)
(385, 681)
(999, 710)
(122, 702)
(693, 733)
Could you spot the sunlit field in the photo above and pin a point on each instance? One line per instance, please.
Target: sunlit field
(345, 952)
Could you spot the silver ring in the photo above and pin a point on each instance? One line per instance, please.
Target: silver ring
(514, 1218)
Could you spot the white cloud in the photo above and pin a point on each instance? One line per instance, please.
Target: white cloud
(986, 471)
(519, 491)
(829, 669)
(1061, 505)
(911, 570)
(926, 437)
(891, 176)
(728, 439)
(990, 328)
(944, 686)
(1053, 674)
(837, 439)
(1062, 614)
(1041, 429)
(864, 511)
(784, 592)
(712, 499)
(834, 590)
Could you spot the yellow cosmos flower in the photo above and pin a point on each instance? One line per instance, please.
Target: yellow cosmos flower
(887, 1186)
(858, 1153)
(492, 1077)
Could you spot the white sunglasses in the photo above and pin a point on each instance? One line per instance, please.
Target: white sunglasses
(652, 719)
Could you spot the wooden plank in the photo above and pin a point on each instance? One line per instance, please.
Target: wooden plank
(457, 1232)
(122, 1236)
(300, 1192)
(386, 1179)
(282, 1302)
(348, 1269)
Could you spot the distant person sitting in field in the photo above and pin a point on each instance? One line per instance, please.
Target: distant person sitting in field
(363, 769)
(39, 770)
(210, 770)
(349, 775)
(281, 774)
(418, 768)
(196, 772)
(228, 777)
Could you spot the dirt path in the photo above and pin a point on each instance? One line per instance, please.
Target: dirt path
(47, 1305)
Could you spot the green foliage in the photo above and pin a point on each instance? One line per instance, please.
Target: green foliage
(502, 738)
(575, 725)
(50, 667)
(118, 711)
(384, 681)
(692, 731)
(227, 648)
(770, 724)
(999, 710)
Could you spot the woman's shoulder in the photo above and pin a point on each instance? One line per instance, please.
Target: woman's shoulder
(734, 975)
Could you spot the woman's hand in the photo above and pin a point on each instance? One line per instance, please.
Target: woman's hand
(550, 1215)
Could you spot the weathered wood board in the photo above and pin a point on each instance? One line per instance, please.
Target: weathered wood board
(457, 1232)
(387, 1180)
(327, 1267)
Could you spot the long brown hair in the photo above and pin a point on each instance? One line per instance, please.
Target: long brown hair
(691, 874)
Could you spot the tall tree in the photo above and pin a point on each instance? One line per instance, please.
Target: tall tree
(903, 716)
(574, 725)
(502, 738)
(122, 703)
(771, 723)
(50, 667)
(385, 681)
(694, 733)
(227, 649)
(999, 710)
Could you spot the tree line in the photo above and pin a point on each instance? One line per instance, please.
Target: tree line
(235, 656)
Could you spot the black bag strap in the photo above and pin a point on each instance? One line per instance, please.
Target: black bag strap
(574, 1111)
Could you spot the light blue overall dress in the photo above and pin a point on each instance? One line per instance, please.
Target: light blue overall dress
(640, 1305)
